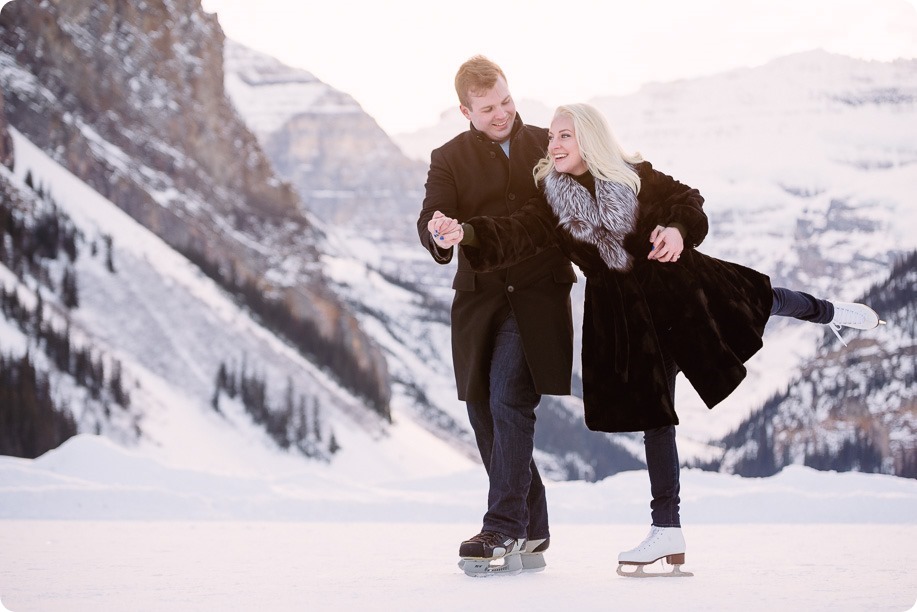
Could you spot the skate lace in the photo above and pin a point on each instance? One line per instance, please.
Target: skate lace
(836, 329)
(654, 533)
(489, 538)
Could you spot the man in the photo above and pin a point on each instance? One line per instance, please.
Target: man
(512, 330)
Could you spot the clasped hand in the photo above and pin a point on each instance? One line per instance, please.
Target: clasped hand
(667, 244)
(445, 231)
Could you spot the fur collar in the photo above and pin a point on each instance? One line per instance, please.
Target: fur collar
(604, 223)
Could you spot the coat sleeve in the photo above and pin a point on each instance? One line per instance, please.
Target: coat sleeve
(441, 195)
(501, 242)
(675, 203)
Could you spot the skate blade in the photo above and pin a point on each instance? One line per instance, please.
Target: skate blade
(510, 565)
(533, 562)
(639, 572)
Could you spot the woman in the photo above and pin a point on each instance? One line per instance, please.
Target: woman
(654, 305)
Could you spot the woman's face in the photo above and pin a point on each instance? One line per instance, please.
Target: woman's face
(564, 148)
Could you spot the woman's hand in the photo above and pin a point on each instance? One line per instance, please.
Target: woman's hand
(445, 231)
(667, 244)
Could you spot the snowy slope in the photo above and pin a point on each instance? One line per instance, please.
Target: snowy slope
(171, 327)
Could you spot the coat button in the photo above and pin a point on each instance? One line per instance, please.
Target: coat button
(492, 155)
(510, 289)
(511, 197)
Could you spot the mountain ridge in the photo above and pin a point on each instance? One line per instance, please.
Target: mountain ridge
(197, 178)
(819, 203)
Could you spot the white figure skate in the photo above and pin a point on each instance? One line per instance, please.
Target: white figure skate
(661, 543)
(855, 316)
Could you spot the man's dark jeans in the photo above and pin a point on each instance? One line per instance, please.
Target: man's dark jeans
(504, 429)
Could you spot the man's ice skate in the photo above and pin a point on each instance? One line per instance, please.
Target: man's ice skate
(661, 543)
(855, 316)
(491, 554)
(533, 554)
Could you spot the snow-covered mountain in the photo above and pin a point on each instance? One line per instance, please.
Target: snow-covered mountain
(197, 276)
(210, 354)
(346, 169)
(807, 165)
(210, 306)
(850, 408)
(170, 329)
(130, 99)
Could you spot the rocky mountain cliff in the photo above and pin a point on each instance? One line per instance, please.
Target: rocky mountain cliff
(6, 143)
(130, 98)
(343, 165)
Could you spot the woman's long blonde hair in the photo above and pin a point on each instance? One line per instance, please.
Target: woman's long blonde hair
(597, 144)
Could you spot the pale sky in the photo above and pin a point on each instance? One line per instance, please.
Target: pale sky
(398, 58)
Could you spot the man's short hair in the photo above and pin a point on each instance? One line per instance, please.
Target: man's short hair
(477, 75)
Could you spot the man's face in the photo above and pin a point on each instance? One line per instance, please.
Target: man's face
(493, 111)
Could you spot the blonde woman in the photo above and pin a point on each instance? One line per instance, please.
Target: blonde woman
(654, 305)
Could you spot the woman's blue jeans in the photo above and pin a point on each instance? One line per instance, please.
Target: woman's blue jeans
(659, 444)
(504, 429)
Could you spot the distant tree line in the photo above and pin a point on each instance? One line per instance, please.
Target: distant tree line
(596, 456)
(86, 368)
(859, 451)
(296, 421)
(431, 309)
(27, 245)
(277, 316)
(858, 454)
(25, 248)
(31, 423)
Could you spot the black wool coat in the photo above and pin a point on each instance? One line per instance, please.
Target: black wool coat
(707, 314)
(471, 176)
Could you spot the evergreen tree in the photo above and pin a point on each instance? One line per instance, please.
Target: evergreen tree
(109, 255)
(302, 431)
(30, 424)
(316, 420)
(69, 290)
(333, 445)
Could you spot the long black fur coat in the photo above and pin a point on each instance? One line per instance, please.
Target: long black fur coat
(705, 313)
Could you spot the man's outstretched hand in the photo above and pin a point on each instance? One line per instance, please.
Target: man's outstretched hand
(445, 231)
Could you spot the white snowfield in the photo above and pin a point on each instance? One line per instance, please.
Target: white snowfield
(94, 526)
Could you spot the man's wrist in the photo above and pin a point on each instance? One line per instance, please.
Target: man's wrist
(440, 253)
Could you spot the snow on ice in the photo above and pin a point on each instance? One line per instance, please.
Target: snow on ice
(94, 526)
